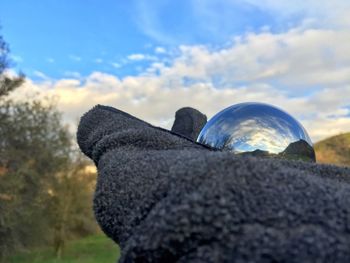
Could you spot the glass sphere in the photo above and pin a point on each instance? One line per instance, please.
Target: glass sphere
(258, 129)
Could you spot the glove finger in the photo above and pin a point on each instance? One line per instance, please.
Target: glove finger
(189, 122)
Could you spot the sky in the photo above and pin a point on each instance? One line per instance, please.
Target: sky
(149, 58)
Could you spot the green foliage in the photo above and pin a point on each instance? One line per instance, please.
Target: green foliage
(7, 83)
(4, 50)
(33, 146)
(12, 179)
(334, 150)
(94, 249)
(45, 190)
(70, 206)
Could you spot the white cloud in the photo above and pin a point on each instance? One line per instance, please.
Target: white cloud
(72, 74)
(16, 58)
(50, 60)
(146, 16)
(334, 12)
(116, 65)
(304, 71)
(136, 57)
(220, 19)
(156, 100)
(41, 75)
(139, 57)
(160, 50)
(75, 58)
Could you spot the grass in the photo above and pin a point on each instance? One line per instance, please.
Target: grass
(93, 249)
(334, 150)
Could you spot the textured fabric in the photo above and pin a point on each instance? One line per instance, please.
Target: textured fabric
(164, 198)
(189, 122)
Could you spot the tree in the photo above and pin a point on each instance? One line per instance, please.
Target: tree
(45, 190)
(34, 147)
(7, 83)
(71, 203)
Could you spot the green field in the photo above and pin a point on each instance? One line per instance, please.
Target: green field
(93, 249)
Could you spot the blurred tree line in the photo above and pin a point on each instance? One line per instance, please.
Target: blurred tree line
(45, 186)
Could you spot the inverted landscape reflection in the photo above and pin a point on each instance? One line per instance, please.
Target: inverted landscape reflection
(258, 129)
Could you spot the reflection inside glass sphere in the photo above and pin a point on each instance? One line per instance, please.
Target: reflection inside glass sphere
(258, 129)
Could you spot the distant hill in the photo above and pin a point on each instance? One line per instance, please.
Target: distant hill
(334, 150)
(299, 150)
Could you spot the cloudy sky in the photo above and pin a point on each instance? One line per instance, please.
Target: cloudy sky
(150, 58)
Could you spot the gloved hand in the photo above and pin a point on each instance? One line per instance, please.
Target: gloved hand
(164, 198)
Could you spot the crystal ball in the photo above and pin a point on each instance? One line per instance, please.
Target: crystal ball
(258, 129)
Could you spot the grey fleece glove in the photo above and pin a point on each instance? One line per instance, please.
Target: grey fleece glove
(189, 122)
(164, 198)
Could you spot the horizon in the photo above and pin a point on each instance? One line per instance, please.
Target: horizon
(150, 59)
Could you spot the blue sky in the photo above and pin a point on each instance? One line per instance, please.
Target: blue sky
(150, 58)
(55, 37)
(59, 37)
